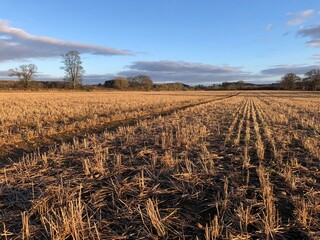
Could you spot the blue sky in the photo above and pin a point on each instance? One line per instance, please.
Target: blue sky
(191, 41)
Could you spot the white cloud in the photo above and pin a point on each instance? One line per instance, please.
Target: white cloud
(17, 44)
(312, 32)
(300, 17)
(316, 57)
(4, 75)
(279, 70)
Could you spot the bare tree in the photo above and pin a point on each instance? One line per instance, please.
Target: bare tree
(313, 76)
(121, 83)
(141, 82)
(25, 73)
(289, 81)
(73, 68)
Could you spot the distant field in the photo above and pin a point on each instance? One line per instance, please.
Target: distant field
(160, 165)
(29, 119)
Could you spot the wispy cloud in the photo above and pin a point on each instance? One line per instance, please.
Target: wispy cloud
(97, 78)
(316, 57)
(300, 17)
(187, 72)
(279, 70)
(4, 75)
(17, 44)
(312, 32)
(87, 79)
(181, 66)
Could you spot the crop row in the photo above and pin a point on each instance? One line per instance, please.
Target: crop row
(236, 168)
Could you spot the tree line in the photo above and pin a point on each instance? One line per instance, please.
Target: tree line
(142, 83)
(74, 72)
(310, 81)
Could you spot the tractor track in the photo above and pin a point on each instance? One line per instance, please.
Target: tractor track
(11, 153)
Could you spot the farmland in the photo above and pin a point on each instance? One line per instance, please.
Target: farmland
(167, 165)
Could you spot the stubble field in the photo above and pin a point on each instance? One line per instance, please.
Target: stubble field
(167, 165)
